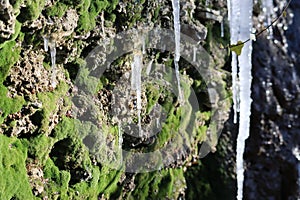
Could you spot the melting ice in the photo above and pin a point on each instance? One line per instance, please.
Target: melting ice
(240, 15)
(176, 21)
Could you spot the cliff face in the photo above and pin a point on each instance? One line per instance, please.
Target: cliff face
(63, 118)
(67, 109)
(272, 155)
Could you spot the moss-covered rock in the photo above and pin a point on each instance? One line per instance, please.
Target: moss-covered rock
(56, 142)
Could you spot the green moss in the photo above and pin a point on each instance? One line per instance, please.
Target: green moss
(14, 181)
(9, 55)
(32, 10)
(39, 147)
(9, 105)
(58, 181)
(49, 101)
(58, 9)
(165, 184)
(89, 12)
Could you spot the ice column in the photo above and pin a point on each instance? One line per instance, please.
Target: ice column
(176, 21)
(136, 84)
(240, 15)
(234, 16)
(245, 78)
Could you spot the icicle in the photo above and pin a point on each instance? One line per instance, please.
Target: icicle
(143, 45)
(233, 15)
(46, 43)
(52, 46)
(176, 16)
(240, 15)
(296, 153)
(229, 10)
(194, 54)
(149, 67)
(245, 78)
(120, 135)
(222, 28)
(136, 84)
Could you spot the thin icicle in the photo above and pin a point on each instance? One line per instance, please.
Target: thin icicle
(46, 40)
(296, 153)
(229, 10)
(120, 142)
(176, 21)
(149, 67)
(194, 54)
(222, 28)
(136, 84)
(52, 46)
(143, 45)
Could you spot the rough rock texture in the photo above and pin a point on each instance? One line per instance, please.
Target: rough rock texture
(271, 165)
(55, 140)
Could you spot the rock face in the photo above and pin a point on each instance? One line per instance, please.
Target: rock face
(45, 155)
(271, 163)
(55, 139)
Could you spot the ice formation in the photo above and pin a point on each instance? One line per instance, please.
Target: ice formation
(233, 16)
(240, 15)
(46, 43)
(136, 84)
(296, 153)
(52, 46)
(176, 21)
(194, 54)
(222, 28)
(120, 142)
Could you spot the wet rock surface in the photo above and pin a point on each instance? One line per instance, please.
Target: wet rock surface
(271, 167)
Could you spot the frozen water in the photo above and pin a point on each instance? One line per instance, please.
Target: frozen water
(136, 84)
(176, 21)
(52, 47)
(46, 43)
(240, 15)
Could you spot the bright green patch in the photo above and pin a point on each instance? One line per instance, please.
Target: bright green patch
(58, 9)
(14, 181)
(50, 102)
(9, 55)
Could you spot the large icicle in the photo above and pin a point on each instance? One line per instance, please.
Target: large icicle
(176, 21)
(240, 28)
(245, 78)
(136, 84)
(234, 16)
